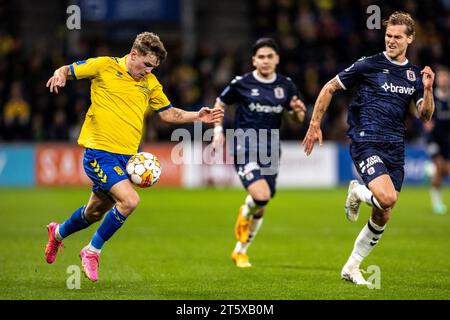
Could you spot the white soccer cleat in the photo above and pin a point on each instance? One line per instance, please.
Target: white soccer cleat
(353, 275)
(352, 202)
(439, 208)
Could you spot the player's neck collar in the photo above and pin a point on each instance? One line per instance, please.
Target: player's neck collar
(123, 62)
(395, 62)
(258, 78)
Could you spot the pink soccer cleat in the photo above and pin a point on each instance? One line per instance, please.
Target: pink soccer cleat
(89, 262)
(51, 249)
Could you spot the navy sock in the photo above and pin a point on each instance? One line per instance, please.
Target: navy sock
(76, 222)
(112, 222)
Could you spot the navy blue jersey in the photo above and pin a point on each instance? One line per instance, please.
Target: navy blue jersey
(386, 89)
(260, 103)
(441, 116)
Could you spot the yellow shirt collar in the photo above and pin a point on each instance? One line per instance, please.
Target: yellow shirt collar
(122, 62)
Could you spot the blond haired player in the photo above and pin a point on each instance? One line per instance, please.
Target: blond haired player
(387, 83)
(122, 90)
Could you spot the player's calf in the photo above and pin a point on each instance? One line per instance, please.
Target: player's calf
(250, 218)
(128, 205)
(127, 199)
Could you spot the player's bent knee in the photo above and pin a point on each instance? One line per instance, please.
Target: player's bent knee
(130, 203)
(387, 200)
(261, 196)
(261, 203)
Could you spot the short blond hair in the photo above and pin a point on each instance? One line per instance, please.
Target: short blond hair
(402, 18)
(148, 42)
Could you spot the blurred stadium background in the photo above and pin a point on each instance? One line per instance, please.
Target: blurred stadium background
(209, 42)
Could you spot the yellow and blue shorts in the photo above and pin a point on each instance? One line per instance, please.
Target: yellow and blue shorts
(105, 169)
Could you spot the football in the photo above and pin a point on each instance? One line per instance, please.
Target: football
(144, 169)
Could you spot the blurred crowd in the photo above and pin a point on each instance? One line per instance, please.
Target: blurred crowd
(318, 39)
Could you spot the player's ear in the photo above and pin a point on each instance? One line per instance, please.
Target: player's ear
(133, 54)
(254, 61)
(410, 39)
(277, 59)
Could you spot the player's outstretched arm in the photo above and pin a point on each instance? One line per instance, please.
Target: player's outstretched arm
(298, 110)
(314, 132)
(207, 115)
(426, 108)
(59, 78)
(218, 138)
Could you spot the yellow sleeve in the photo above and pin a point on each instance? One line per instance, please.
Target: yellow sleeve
(158, 99)
(88, 68)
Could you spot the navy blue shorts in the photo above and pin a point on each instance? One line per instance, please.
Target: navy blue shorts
(254, 162)
(251, 172)
(373, 159)
(105, 169)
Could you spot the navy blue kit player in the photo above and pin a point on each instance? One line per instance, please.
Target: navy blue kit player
(261, 97)
(439, 138)
(387, 83)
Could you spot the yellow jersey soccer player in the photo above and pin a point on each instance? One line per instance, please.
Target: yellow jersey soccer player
(122, 90)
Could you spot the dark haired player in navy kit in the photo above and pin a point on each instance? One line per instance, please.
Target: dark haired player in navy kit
(388, 83)
(262, 96)
(439, 138)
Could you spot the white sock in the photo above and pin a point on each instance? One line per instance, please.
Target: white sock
(435, 194)
(365, 195)
(251, 207)
(58, 235)
(254, 227)
(240, 247)
(364, 244)
(93, 249)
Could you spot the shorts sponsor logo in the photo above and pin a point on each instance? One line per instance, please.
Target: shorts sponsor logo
(249, 176)
(119, 170)
(246, 171)
(368, 164)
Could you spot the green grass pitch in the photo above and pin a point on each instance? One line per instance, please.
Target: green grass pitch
(177, 245)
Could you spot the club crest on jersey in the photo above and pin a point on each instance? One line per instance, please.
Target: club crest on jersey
(279, 92)
(410, 75)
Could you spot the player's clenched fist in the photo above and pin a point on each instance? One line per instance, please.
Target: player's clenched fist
(427, 77)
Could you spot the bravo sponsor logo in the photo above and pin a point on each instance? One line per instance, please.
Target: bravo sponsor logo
(398, 89)
(266, 109)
